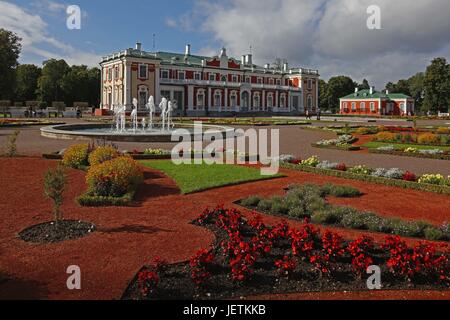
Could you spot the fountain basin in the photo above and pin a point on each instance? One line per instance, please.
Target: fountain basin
(106, 132)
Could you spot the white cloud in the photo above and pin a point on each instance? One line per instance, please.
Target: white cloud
(36, 39)
(332, 35)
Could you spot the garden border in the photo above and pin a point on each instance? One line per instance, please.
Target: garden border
(365, 178)
(409, 154)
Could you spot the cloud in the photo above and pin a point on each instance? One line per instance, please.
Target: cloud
(36, 39)
(332, 35)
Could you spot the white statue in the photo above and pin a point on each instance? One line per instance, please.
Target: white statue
(171, 107)
(151, 109)
(163, 107)
(134, 114)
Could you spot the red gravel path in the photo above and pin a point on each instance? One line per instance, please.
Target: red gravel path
(158, 226)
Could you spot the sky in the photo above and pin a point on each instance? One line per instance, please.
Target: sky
(329, 35)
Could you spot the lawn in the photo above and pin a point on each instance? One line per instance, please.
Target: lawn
(402, 146)
(192, 178)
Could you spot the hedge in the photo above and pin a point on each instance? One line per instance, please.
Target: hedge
(410, 154)
(349, 148)
(385, 181)
(89, 200)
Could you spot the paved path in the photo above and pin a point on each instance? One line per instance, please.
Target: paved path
(293, 140)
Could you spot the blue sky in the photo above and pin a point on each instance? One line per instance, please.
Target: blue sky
(329, 35)
(108, 26)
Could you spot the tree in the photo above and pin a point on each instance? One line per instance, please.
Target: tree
(94, 75)
(54, 183)
(27, 76)
(75, 84)
(338, 87)
(416, 88)
(10, 48)
(437, 86)
(323, 95)
(364, 85)
(49, 84)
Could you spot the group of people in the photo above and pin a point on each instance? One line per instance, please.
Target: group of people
(308, 114)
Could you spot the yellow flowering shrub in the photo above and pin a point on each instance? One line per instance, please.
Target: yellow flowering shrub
(114, 178)
(385, 136)
(76, 156)
(102, 154)
(428, 138)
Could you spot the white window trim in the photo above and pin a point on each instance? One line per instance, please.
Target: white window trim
(183, 73)
(362, 106)
(165, 71)
(212, 75)
(372, 106)
(197, 74)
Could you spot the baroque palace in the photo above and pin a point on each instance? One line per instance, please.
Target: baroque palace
(200, 86)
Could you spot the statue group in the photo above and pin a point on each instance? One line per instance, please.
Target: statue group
(166, 106)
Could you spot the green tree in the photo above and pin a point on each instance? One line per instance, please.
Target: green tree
(10, 48)
(49, 84)
(27, 76)
(437, 86)
(416, 88)
(364, 85)
(54, 183)
(94, 86)
(323, 95)
(81, 84)
(338, 87)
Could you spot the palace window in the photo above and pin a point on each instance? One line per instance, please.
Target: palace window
(116, 72)
(283, 101)
(109, 74)
(234, 78)
(345, 106)
(181, 75)
(256, 101)
(353, 106)
(309, 84)
(309, 102)
(233, 99)
(223, 79)
(271, 82)
(197, 76)
(278, 82)
(372, 106)
(270, 100)
(259, 81)
(247, 79)
(362, 106)
(217, 99)
(200, 100)
(212, 77)
(165, 74)
(143, 69)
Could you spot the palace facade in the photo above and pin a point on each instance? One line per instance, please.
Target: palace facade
(218, 85)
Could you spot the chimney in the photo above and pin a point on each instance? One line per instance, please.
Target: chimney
(285, 67)
(249, 59)
(138, 46)
(371, 90)
(387, 91)
(187, 51)
(356, 90)
(243, 62)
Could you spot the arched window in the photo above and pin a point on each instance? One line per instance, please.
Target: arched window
(224, 79)
(256, 101)
(345, 106)
(283, 101)
(363, 106)
(233, 99)
(270, 100)
(353, 106)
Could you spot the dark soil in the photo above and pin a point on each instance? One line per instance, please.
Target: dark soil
(49, 233)
(176, 284)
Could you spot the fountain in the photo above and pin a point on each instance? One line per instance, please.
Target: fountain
(139, 131)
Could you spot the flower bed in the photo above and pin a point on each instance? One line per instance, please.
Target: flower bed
(251, 258)
(343, 142)
(309, 201)
(406, 153)
(364, 173)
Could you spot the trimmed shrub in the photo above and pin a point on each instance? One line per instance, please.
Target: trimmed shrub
(385, 136)
(428, 138)
(114, 178)
(76, 156)
(252, 201)
(264, 205)
(434, 234)
(361, 170)
(437, 179)
(341, 191)
(312, 161)
(102, 154)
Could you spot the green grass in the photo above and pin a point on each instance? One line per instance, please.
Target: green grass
(192, 178)
(402, 146)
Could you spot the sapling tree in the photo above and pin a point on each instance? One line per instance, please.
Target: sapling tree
(11, 147)
(54, 183)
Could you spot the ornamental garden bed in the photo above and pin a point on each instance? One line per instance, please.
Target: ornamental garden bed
(362, 173)
(343, 142)
(343, 148)
(249, 258)
(411, 154)
(49, 232)
(309, 202)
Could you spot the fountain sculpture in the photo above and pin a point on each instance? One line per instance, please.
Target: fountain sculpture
(151, 109)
